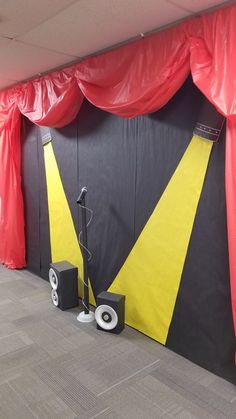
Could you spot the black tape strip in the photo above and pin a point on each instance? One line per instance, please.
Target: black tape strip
(210, 122)
(46, 139)
(45, 135)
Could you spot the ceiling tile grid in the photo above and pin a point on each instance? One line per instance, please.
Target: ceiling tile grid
(20, 16)
(19, 61)
(39, 36)
(89, 26)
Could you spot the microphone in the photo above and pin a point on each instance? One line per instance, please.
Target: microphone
(82, 195)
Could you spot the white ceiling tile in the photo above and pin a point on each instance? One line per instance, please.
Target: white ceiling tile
(6, 82)
(19, 16)
(91, 25)
(197, 5)
(76, 28)
(4, 42)
(19, 61)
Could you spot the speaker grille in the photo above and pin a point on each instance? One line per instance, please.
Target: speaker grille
(106, 317)
(55, 298)
(53, 278)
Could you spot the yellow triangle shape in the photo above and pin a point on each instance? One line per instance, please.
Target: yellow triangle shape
(150, 276)
(63, 238)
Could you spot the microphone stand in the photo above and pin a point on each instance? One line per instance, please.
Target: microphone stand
(85, 316)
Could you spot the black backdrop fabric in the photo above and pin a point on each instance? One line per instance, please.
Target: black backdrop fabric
(38, 253)
(126, 165)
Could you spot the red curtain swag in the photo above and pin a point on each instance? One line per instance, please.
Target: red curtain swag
(135, 79)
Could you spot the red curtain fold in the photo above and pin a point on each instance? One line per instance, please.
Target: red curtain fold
(53, 100)
(213, 60)
(213, 67)
(135, 79)
(12, 240)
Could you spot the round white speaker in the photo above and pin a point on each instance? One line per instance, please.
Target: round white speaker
(106, 317)
(54, 297)
(53, 279)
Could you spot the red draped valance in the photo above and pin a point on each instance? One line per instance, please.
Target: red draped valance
(132, 80)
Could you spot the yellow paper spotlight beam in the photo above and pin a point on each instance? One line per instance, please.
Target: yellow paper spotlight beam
(150, 277)
(63, 238)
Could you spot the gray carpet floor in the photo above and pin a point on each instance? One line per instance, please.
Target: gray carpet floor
(51, 366)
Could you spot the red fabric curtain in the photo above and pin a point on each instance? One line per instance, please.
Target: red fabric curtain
(53, 100)
(12, 241)
(137, 78)
(213, 67)
(134, 79)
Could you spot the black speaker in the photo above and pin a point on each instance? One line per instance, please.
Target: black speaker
(63, 277)
(110, 312)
